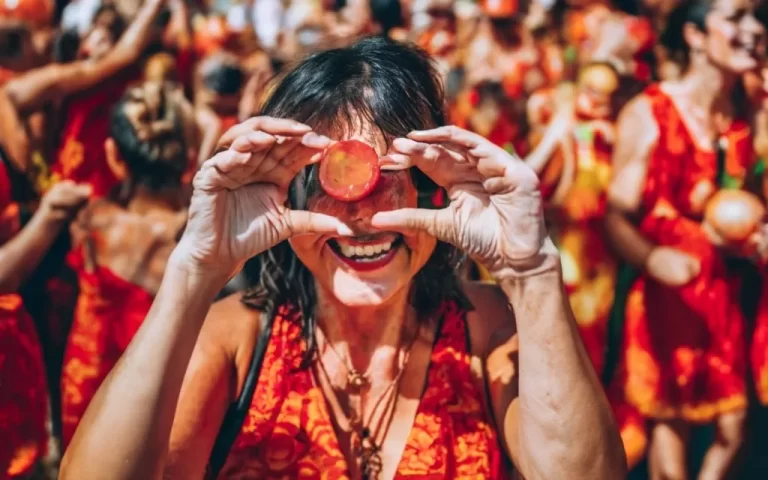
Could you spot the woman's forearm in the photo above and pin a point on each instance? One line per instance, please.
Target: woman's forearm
(563, 425)
(21, 255)
(127, 426)
(626, 240)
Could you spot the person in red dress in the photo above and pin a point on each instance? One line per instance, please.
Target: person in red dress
(378, 361)
(24, 392)
(122, 242)
(678, 144)
(57, 89)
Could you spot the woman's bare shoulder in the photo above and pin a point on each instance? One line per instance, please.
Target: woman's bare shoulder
(492, 316)
(232, 327)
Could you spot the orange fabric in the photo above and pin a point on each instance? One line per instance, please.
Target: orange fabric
(288, 432)
(632, 426)
(109, 312)
(684, 348)
(589, 269)
(23, 391)
(227, 122)
(35, 12)
(81, 156)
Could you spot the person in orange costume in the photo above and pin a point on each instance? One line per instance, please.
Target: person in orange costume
(24, 394)
(683, 347)
(575, 172)
(572, 132)
(121, 243)
(367, 368)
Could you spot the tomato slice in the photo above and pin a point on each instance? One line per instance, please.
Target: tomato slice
(349, 170)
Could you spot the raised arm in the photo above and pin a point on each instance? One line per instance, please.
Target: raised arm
(550, 408)
(54, 82)
(230, 220)
(20, 256)
(636, 134)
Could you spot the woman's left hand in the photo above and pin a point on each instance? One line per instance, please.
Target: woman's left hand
(495, 213)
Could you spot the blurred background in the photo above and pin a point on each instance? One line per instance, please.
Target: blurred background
(547, 80)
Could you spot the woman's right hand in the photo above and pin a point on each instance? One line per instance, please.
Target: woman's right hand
(672, 267)
(239, 205)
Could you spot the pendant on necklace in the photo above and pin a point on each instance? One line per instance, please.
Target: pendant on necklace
(356, 380)
(370, 456)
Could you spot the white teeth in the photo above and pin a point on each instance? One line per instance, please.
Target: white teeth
(366, 251)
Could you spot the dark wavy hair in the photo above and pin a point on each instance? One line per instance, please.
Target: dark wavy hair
(391, 86)
(673, 37)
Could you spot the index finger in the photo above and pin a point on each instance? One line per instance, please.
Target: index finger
(274, 126)
(449, 134)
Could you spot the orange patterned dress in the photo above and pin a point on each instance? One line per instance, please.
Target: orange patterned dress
(23, 391)
(589, 269)
(109, 312)
(683, 347)
(288, 431)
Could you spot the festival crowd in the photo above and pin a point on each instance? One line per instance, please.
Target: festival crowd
(646, 122)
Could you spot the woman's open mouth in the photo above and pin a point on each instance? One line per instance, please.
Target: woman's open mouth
(366, 253)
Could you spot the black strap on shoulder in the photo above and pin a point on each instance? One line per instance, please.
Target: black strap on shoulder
(233, 420)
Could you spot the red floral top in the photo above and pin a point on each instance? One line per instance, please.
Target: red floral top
(288, 432)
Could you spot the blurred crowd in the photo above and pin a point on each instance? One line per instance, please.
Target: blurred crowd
(645, 120)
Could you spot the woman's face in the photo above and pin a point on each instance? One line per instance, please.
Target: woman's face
(368, 269)
(734, 38)
(97, 43)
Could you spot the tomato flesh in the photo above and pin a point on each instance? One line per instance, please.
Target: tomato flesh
(349, 170)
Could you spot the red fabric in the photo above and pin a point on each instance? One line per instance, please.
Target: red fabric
(759, 346)
(684, 348)
(109, 312)
(81, 156)
(288, 431)
(23, 391)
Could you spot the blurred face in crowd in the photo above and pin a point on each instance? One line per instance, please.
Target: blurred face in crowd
(107, 28)
(732, 38)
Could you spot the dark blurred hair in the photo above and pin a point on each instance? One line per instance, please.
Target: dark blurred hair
(387, 13)
(65, 46)
(390, 86)
(153, 151)
(224, 77)
(673, 38)
(109, 17)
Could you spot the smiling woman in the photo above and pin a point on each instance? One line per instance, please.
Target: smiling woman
(375, 365)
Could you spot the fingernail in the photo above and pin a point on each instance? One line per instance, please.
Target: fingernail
(344, 230)
(312, 139)
(300, 127)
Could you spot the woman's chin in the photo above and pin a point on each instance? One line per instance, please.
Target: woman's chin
(353, 291)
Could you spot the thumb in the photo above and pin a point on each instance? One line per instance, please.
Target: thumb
(303, 222)
(434, 222)
(694, 266)
(83, 190)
